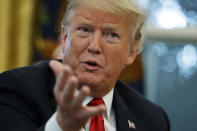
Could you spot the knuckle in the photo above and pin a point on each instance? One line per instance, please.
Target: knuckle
(67, 68)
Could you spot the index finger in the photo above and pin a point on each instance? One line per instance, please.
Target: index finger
(56, 66)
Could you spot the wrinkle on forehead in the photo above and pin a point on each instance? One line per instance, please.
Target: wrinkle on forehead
(114, 22)
(97, 12)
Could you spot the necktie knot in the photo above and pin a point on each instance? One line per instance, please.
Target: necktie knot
(95, 102)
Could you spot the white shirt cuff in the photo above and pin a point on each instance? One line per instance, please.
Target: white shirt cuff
(52, 124)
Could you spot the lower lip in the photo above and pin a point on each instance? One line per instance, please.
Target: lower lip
(90, 67)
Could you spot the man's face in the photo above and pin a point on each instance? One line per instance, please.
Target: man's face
(96, 46)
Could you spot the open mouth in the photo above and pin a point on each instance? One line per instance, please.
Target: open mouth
(92, 63)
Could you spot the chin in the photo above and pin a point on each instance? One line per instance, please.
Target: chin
(97, 88)
(89, 79)
(91, 82)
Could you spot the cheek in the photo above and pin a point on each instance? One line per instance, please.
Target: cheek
(115, 59)
(117, 54)
(74, 50)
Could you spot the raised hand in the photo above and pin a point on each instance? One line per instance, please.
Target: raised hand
(71, 115)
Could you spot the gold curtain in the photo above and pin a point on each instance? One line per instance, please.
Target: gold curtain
(16, 22)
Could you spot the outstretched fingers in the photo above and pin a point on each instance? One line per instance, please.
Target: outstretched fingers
(67, 95)
(84, 92)
(70, 111)
(94, 110)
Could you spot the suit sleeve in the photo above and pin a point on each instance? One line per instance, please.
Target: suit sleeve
(15, 111)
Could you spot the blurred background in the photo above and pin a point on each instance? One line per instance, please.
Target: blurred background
(165, 72)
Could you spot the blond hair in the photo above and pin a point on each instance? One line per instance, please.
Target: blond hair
(124, 8)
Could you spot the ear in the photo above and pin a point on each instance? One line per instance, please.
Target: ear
(63, 39)
(133, 52)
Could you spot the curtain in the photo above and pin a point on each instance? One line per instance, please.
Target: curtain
(16, 22)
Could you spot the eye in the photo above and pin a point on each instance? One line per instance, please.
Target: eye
(113, 34)
(83, 29)
(111, 37)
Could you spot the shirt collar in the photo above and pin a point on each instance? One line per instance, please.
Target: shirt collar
(107, 100)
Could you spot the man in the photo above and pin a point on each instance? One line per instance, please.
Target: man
(99, 39)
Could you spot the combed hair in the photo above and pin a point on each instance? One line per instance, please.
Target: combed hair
(123, 8)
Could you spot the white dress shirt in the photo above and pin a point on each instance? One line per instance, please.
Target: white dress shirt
(109, 116)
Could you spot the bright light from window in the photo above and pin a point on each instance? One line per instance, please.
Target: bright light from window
(160, 49)
(169, 15)
(169, 63)
(188, 56)
(170, 18)
(187, 60)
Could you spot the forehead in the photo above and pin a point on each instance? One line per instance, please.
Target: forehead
(96, 17)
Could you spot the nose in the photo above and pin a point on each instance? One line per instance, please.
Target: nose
(94, 46)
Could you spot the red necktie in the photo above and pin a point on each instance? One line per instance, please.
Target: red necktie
(96, 122)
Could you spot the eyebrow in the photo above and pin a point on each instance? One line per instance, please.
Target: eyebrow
(112, 27)
(106, 26)
(115, 28)
(85, 22)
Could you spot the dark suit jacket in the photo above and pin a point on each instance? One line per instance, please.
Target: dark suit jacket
(27, 102)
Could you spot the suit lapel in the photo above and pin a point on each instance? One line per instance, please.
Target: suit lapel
(51, 84)
(125, 121)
